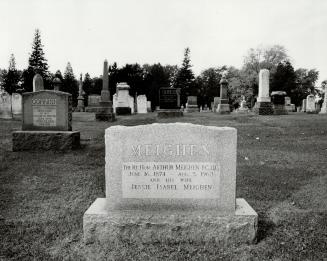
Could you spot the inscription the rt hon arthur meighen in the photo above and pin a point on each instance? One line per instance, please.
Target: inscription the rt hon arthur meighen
(169, 149)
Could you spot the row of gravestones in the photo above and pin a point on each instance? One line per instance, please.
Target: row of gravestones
(10, 105)
(122, 99)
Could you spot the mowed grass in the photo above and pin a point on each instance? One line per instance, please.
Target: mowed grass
(281, 172)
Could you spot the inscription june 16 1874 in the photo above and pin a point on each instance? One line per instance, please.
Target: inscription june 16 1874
(170, 180)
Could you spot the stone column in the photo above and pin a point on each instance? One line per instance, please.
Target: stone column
(105, 94)
(80, 98)
(263, 105)
(223, 107)
(56, 84)
(324, 105)
(105, 111)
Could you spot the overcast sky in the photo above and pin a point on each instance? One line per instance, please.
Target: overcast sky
(85, 32)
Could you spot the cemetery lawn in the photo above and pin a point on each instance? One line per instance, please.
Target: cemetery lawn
(281, 172)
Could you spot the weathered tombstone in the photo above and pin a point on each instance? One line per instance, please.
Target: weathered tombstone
(176, 184)
(105, 111)
(123, 101)
(263, 105)
(141, 104)
(148, 106)
(114, 102)
(278, 100)
(16, 105)
(304, 105)
(216, 101)
(93, 103)
(223, 106)
(288, 105)
(37, 83)
(46, 122)
(169, 103)
(310, 105)
(192, 104)
(5, 106)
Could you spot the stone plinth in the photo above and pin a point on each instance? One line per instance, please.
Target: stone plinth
(192, 104)
(105, 225)
(45, 140)
(263, 108)
(169, 113)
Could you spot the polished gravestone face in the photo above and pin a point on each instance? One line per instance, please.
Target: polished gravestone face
(169, 98)
(47, 110)
(171, 165)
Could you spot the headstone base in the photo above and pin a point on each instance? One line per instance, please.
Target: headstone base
(192, 108)
(123, 111)
(263, 108)
(290, 108)
(223, 109)
(92, 109)
(242, 110)
(279, 109)
(105, 226)
(169, 113)
(45, 140)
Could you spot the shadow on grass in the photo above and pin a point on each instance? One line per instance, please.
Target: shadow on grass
(265, 228)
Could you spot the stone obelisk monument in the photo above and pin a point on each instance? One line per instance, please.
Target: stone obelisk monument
(105, 111)
(263, 105)
(80, 98)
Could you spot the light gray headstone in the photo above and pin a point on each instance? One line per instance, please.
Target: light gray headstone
(141, 104)
(16, 103)
(5, 106)
(310, 105)
(38, 83)
(174, 165)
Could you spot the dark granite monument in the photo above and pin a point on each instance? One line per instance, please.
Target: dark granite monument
(169, 103)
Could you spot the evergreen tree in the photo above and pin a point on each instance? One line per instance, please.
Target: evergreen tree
(11, 78)
(284, 78)
(36, 64)
(185, 78)
(70, 83)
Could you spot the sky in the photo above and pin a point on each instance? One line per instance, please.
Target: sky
(85, 32)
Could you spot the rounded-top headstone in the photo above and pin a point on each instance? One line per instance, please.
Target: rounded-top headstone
(38, 83)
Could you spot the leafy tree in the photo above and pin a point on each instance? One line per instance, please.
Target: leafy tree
(305, 84)
(261, 58)
(133, 74)
(11, 78)
(185, 78)
(70, 83)
(87, 84)
(36, 64)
